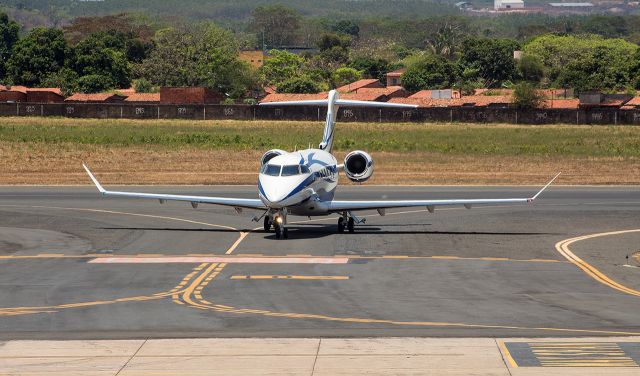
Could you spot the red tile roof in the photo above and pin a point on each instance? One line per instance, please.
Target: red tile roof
(126, 92)
(562, 103)
(359, 85)
(279, 97)
(54, 90)
(21, 89)
(97, 97)
(397, 73)
(633, 103)
(143, 97)
(422, 94)
(382, 90)
(3, 88)
(472, 100)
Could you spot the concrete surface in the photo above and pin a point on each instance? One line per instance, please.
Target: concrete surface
(282, 356)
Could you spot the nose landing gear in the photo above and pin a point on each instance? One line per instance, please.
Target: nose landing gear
(279, 225)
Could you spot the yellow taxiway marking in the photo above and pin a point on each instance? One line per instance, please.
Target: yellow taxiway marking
(507, 354)
(563, 248)
(306, 277)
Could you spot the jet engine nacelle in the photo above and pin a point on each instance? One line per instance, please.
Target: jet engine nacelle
(358, 166)
(266, 157)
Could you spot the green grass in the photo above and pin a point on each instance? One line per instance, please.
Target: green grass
(473, 139)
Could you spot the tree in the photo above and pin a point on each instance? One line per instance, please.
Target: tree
(343, 76)
(531, 68)
(371, 67)
(282, 66)
(428, 72)
(100, 63)
(8, 37)
(81, 27)
(301, 84)
(277, 24)
(204, 55)
(526, 95)
(348, 27)
(40, 53)
(492, 58)
(585, 62)
(66, 79)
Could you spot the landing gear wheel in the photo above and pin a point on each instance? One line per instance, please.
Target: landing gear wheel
(267, 223)
(351, 224)
(341, 224)
(285, 233)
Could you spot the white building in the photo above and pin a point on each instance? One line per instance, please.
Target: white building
(508, 4)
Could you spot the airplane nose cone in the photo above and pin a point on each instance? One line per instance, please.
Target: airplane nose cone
(273, 191)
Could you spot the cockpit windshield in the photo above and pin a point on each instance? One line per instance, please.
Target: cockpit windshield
(271, 170)
(288, 170)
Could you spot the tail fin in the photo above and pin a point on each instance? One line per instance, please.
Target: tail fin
(333, 103)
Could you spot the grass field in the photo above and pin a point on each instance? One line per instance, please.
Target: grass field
(49, 151)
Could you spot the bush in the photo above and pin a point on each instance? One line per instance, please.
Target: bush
(250, 101)
(143, 85)
(302, 84)
(526, 95)
(228, 101)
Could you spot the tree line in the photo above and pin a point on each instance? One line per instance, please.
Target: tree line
(94, 54)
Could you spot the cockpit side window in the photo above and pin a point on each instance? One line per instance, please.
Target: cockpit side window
(290, 170)
(271, 170)
(304, 169)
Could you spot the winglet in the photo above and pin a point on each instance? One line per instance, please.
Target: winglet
(93, 178)
(545, 187)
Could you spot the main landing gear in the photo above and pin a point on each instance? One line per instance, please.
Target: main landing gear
(346, 221)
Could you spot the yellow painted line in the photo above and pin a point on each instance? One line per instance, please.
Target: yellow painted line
(507, 354)
(563, 248)
(306, 277)
(496, 258)
(392, 257)
(50, 254)
(446, 257)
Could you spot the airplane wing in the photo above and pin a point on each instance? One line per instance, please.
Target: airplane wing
(235, 202)
(339, 206)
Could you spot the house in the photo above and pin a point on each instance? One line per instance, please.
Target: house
(360, 84)
(508, 4)
(143, 98)
(572, 104)
(393, 78)
(633, 104)
(590, 100)
(45, 95)
(388, 92)
(189, 95)
(436, 94)
(13, 94)
(493, 101)
(255, 58)
(95, 98)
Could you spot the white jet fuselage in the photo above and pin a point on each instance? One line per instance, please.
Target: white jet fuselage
(304, 182)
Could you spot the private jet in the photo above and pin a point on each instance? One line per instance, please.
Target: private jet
(304, 182)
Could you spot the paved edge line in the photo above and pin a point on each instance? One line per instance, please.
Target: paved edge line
(563, 248)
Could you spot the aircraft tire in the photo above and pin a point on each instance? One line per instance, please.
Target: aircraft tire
(341, 225)
(267, 223)
(351, 225)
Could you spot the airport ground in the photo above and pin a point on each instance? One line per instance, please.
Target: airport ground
(535, 286)
(37, 150)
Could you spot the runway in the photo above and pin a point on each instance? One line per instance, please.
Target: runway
(77, 266)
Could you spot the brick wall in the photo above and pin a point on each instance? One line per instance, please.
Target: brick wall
(309, 113)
